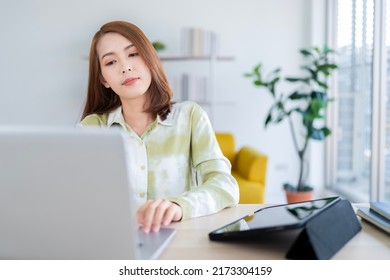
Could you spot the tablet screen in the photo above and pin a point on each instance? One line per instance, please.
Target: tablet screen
(286, 216)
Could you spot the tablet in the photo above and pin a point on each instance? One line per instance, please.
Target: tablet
(273, 218)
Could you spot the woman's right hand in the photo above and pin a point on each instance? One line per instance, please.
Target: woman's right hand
(156, 213)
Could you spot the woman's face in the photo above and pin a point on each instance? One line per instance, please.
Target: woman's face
(123, 69)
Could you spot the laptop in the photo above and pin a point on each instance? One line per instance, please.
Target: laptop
(65, 194)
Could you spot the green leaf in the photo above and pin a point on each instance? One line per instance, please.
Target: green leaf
(268, 120)
(327, 50)
(314, 108)
(280, 117)
(305, 52)
(317, 49)
(319, 95)
(296, 96)
(326, 68)
(311, 71)
(275, 80)
(257, 68)
(279, 104)
(332, 66)
(321, 84)
(303, 80)
(326, 131)
(307, 117)
(319, 134)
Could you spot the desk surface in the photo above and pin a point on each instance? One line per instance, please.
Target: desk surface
(192, 242)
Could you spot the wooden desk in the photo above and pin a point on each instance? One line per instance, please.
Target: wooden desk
(192, 242)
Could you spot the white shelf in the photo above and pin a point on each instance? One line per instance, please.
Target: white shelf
(205, 52)
(194, 58)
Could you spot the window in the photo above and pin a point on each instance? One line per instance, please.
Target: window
(361, 153)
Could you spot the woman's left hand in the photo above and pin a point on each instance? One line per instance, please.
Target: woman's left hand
(155, 213)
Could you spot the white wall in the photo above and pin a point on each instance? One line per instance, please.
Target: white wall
(43, 70)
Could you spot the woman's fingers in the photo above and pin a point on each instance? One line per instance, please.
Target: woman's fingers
(155, 213)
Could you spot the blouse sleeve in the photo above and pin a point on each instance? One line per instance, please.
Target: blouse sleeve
(216, 187)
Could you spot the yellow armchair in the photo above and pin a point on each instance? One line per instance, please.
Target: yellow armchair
(249, 168)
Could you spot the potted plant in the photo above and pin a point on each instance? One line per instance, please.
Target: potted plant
(308, 100)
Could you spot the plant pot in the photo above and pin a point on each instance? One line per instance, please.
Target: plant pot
(293, 196)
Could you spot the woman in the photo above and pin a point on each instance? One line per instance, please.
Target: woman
(177, 168)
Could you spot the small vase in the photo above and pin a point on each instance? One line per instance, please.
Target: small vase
(293, 197)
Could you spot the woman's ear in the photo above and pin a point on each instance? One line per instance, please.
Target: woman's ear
(104, 83)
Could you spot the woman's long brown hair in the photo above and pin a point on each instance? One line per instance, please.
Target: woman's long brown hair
(101, 99)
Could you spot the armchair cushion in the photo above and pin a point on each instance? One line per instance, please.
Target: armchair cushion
(249, 168)
(251, 164)
(251, 192)
(227, 145)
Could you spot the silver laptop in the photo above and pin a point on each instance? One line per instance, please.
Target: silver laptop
(64, 194)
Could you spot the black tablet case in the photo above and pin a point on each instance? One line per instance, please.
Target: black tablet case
(326, 233)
